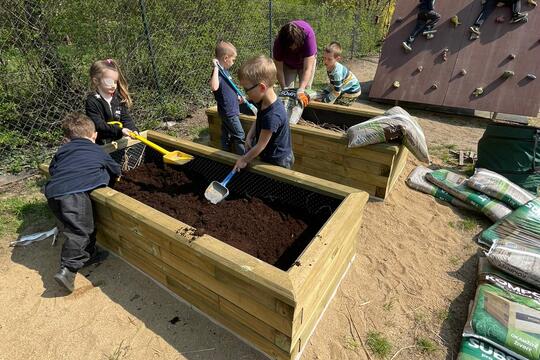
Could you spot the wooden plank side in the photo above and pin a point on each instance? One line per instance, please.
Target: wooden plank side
(346, 219)
(266, 310)
(231, 310)
(304, 332)
(359, 185)
(314, 291)
(233, 325)
(246, 268)
(397, 168)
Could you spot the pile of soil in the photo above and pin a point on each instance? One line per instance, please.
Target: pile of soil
(270, 231)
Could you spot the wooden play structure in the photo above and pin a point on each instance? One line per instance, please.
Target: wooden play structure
(273, 310)
(324, 153)
(497, 72)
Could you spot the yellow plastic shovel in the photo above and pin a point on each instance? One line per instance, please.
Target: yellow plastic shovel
(175, 157)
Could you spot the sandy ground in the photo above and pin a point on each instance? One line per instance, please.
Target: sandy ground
(412, 280)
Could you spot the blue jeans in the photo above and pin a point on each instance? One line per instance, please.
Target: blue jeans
(287, 162)
(232, 133)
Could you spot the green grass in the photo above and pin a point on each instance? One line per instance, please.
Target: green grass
(454, 260)
(198, 132)
(442, 151)
(389, 305)
(378, 344)
(350, 343)
(426, 346)
(469, 224)
(19, 212)
(420, 318)
(442, 315)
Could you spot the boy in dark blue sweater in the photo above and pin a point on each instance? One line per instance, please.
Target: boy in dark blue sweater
(78, 167)
(270, 135)
(227, 99)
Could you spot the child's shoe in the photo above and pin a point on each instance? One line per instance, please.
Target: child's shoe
(406, 46)
(66, 278)
(475, 30)
(519, 17)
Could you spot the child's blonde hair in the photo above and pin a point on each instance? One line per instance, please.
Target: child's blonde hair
(224, 48)
(96, 71)
(77, 125)
(259, 69)
(333, 48)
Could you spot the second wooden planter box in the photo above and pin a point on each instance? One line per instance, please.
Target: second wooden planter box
(324, 153)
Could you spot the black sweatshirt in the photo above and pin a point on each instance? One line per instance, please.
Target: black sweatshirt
(99, 111)
(79, 166)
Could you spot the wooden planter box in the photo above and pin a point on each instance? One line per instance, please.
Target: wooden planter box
(273, 310)
(324, 153)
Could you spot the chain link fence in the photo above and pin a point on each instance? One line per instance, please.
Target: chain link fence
(164, 48)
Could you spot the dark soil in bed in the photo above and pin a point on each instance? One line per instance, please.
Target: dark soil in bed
(270, 231)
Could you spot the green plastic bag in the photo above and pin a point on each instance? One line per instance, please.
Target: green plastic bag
(476, 349)
(455, 184)
(512, 151)
(417, 180)
(506, 314)
(522, 222)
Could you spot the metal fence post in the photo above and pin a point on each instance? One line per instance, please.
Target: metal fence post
(150, 46)
(270, 32)
(355, 27)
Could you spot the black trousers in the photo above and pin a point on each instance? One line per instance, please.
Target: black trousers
(425, 22)
(75, 213)
(490, 5)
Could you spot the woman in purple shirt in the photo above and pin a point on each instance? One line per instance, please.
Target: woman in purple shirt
(295, 53)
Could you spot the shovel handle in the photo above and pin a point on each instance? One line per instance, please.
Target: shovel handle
(237, 90)
(228, 178)
(149, 143)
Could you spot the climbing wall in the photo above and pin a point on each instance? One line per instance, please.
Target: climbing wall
(447, 69)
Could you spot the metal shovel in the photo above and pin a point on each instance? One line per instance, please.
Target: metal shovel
(217, 191)
(175, 157)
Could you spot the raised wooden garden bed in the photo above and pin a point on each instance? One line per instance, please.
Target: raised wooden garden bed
(324, 153)
(275, 310)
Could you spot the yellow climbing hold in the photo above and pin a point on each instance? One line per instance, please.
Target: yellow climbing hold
(455, 20)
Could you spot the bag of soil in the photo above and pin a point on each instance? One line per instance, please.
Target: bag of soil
(417, 180)
(293, 107)
(505, 314)
(475, 349)
(394, 124)
(455, 184)
(522, 223)
(518, 257)
(499, 187)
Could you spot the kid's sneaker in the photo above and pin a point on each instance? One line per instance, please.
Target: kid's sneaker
(406, 46)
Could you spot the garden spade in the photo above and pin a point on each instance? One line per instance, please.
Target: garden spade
(217, 191)
(170, 157)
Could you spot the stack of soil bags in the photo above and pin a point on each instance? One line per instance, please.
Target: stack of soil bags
(504, 319)
(394, 125)
(417, 180)
(456, 185)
